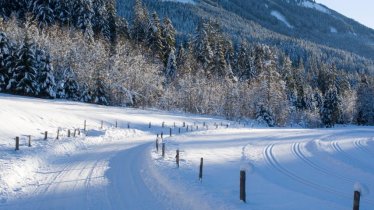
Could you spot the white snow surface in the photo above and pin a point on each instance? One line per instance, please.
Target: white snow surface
(281, 18)
(315, 6)
(183, 1)
(333, 30)
(119, 168)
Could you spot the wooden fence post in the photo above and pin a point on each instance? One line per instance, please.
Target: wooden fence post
(79, 132)
(197, 127)
(201, 169)
(69, 133)
(170, 132)
(116, 124)
(75, 132)
(356, 201)
(157, 143)
(58, 133)
(162, 135)
(163, 124)
(102, 124)
(150, 124)
(163, 149)
(45, 135)
(184, 124)
(128, 125)
(242, 186)
(29, 140)
(179, 130)
(187, 128)
(17, 143)
(84, 129)
(174, 125)
(177, 158)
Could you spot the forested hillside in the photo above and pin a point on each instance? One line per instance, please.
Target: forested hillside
(81, 50)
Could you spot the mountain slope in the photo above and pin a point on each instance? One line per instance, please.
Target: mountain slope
(311, 28)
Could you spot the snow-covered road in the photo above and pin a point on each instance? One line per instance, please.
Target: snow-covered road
(118, 168)
(101, 177)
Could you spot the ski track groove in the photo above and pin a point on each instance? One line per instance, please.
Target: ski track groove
(270, 158)
(296, 149)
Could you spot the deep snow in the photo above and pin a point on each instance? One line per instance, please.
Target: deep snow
(118, 168)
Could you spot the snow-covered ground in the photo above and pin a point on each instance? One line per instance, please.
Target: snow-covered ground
(118, 168)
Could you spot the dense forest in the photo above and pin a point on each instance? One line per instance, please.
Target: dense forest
(81, 50)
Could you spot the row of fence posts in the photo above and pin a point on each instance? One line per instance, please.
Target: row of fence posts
(17, 139)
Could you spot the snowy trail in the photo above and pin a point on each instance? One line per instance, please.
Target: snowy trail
(128, 189)
(105, 177)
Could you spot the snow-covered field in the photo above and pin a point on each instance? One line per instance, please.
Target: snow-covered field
(118, 168)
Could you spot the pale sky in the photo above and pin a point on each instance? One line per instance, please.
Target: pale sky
(359, 10)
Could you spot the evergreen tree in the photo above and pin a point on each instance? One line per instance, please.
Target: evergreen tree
(5, 53)
(64, 11)
(171, 67)
(202, 49)
(99, 93)
(139, 29)
(365, 102)
(218, 66)
(168, 34)
(100, 24)
(270, 99)
(23, 75)
(154, 40)
(70, 86)
(83, 16)
(44, 13)
(330, 113)
(46, 79)
(244, 63)
(85, 93)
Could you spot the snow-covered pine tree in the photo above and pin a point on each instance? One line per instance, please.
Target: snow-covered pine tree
(171, 67)
(288, 77)
(46, 79)
(5, 53)
(85, 93)
(201, 46)
(331, 112)
(63, 12)
(243, 67)
(168, 35)
(71, 85)
(112, 23)
(100, 24)
(218, 67)
(365, 102)
(270, 98)
(83, 16)
(154, 39)
(43, 11)
(139, 27)
(24, 73)
(99, 93)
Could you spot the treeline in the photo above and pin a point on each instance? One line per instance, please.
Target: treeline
(102, 59)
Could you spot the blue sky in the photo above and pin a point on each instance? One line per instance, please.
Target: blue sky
(359, 10)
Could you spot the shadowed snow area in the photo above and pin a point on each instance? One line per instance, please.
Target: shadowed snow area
(109, 167)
